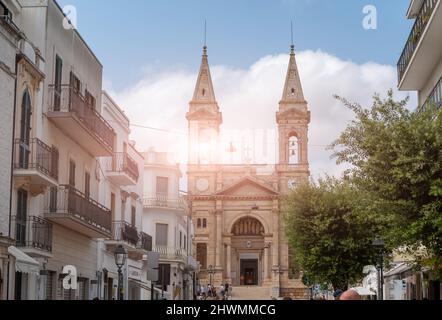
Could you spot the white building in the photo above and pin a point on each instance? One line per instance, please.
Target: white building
(420, 69)
(121, 189)
(9, 41)
(57, 213)
(166, 219)
(420, 64)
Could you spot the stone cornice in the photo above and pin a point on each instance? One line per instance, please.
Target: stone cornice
(233, 197)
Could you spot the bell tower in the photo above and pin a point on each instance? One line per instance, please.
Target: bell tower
(293, 119)
(204, 118)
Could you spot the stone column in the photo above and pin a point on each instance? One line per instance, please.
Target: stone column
(219, 245)
(266, 261)
(229, 261)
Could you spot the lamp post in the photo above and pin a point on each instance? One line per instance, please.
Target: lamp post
(211, 271)
(379, 245)
(120, 260)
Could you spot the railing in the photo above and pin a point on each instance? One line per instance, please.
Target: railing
(65, 98)
(172, 253)
(8, 20)
(145, 241)
(32, 232)
(122, 162)
(164, 202)
(416, 33)
(70, 201)
(36, 155)
(435, 96)
(123, 231)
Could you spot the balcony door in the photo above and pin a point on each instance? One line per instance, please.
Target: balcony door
(161, 234)
(22, 212)
(25, 131)
(57, 83)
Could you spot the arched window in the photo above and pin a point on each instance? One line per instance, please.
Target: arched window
(293, 91)
(25, 130)
(204, 223)
(293, 150)
(201, 254)
(198, 225)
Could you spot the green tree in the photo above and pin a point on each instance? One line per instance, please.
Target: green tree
(396, 158)
(330, 231)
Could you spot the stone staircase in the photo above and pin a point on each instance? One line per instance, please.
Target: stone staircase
(250, 293)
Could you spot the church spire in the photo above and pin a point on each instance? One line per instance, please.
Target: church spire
(292, 89)
(204, 87)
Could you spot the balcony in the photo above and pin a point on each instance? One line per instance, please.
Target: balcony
(435, 96)
(72, 115)
(6, 20)
(171, 253)
(33, 235)
(121, 169)
(69, 207)
(164, 202)
(145, 242)
(36, 163)
(423, 47)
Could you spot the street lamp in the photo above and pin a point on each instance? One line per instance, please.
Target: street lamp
(379, 245)
(120, 260)
(211, 271)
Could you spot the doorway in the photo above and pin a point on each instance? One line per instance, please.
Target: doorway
(249, 272)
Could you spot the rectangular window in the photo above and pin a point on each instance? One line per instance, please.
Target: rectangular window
(87, 184)
(164, 275)
(161, 234)
(57, 82)
(75, 83)
(162, 186)
(113, 206)
(201, 254)
(181, 239)
(22, 212)
(133, 217)
(72, 173)
(185, 242)
(90, 100)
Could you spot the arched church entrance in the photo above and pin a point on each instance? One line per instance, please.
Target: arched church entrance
(247, 250)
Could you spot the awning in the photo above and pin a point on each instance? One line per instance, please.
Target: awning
(398, 269)
(23, 262)
(363, 291)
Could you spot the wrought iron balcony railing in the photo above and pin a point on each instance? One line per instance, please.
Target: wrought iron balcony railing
(415, 36)
(164, 202)
(66, 200)
(121, 162)
(123, 231)
(32, 232)
(145, 241)
(36, 155)
(171, 253)
(435, 96)
(8, 21)
(65, 98)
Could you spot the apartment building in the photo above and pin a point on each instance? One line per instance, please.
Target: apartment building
(59, 134)
(166, 218)
(10, 37)
(121, 189)
(420, 64)
(419, 69)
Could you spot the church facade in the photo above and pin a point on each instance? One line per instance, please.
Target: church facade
(236, 209)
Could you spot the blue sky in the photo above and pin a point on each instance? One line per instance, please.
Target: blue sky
(132, 37)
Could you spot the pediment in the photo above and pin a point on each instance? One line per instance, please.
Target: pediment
(202, 113)
(247, 186)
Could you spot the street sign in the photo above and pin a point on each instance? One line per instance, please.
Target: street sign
(152, 275)
(153, 260)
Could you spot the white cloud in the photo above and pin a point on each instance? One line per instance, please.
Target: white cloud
(249, 98)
